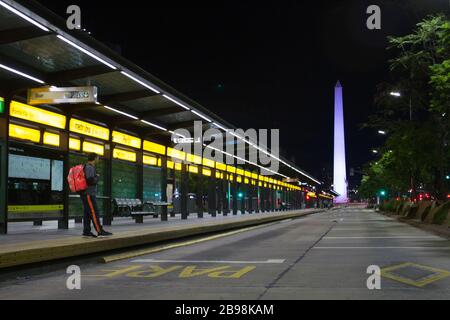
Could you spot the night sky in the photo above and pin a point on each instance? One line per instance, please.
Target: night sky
(265, 64)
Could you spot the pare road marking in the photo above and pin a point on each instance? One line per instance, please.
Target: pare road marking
(269, 261)
(183, 272)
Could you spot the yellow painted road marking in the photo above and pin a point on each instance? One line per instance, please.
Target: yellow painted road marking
(137, 253)
(438, 274)
(185, 272)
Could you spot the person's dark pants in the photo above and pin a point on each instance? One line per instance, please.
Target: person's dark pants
(91, 213)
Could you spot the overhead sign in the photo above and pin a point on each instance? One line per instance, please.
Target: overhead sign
(69, 95)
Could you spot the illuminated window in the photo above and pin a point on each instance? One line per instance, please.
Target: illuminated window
(33, 114)
(74, 144)
(24, 133)
(154, 147)
(89, 147)
(238, 179)
(240, 172)
(206, 172)
(51, 139)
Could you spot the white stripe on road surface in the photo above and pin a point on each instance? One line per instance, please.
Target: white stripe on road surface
(269, 261)
(381, 237)
(365, 248)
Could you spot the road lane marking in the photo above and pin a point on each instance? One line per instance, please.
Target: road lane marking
(269, 261)
(356, 248)
(381, 237)
(137, 253)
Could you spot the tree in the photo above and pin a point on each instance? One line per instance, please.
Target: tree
(418, 141)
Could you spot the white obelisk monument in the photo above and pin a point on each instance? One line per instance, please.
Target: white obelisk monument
(340, 171)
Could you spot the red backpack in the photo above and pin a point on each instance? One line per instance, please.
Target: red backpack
(77, 179)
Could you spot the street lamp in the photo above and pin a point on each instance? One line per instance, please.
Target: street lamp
(398, 95)
(382, 132)
(375, 151)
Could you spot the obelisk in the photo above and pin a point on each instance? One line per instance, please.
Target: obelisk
(340, 171)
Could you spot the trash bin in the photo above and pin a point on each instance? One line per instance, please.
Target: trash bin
(192, 203)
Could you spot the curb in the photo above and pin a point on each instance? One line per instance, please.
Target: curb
(50, 250)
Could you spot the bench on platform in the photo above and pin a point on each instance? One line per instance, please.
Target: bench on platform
(133, 208)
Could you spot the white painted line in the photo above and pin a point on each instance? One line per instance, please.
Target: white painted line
(364, 248)
(269, 261)
(393, 237)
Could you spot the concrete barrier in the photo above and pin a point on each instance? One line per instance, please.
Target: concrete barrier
(48, 250)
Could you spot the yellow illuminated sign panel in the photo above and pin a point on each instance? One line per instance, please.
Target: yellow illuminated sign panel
(33, 114)
(248, 174)
(94, 148)
(208, 162)
(240, 172)
(170, 164)
(24, 133)
(176, 154)
(74, 144)
(126, 139)
(238, 179)
(221, 166)
(51, 139)
(89, 129)
(206, 172)
(178, 166)
(231, 169)
(150, 161)
(154, 147)
(193, 169)
(192, 158)
(254, 176)
(246, 181)
(124, 155)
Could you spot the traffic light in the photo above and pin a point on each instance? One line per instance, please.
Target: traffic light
(382, 193)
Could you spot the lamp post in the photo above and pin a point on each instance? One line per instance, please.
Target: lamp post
(399, 95)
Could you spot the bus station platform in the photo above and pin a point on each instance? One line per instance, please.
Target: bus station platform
(24, 247)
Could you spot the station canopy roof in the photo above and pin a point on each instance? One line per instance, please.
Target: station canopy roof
(37, 49)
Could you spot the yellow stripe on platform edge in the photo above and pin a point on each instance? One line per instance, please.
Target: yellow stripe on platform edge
(39, 208)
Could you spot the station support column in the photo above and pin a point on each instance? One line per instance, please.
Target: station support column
(234, 195)
(163, 184)
(63, 223)
(199, 191)
(219, 188)
(212, 206)
(4, 146)
(250, 197)
(225, 207)
(108, 214)
(184, 191)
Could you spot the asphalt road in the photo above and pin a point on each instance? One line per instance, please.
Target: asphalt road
(324, 256)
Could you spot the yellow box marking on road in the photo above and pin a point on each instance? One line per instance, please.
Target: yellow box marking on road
(437, 275)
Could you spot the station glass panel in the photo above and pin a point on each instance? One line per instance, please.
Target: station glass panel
(152, 183)
(124, 179)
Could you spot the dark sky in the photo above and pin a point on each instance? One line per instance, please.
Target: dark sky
(264, 64)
